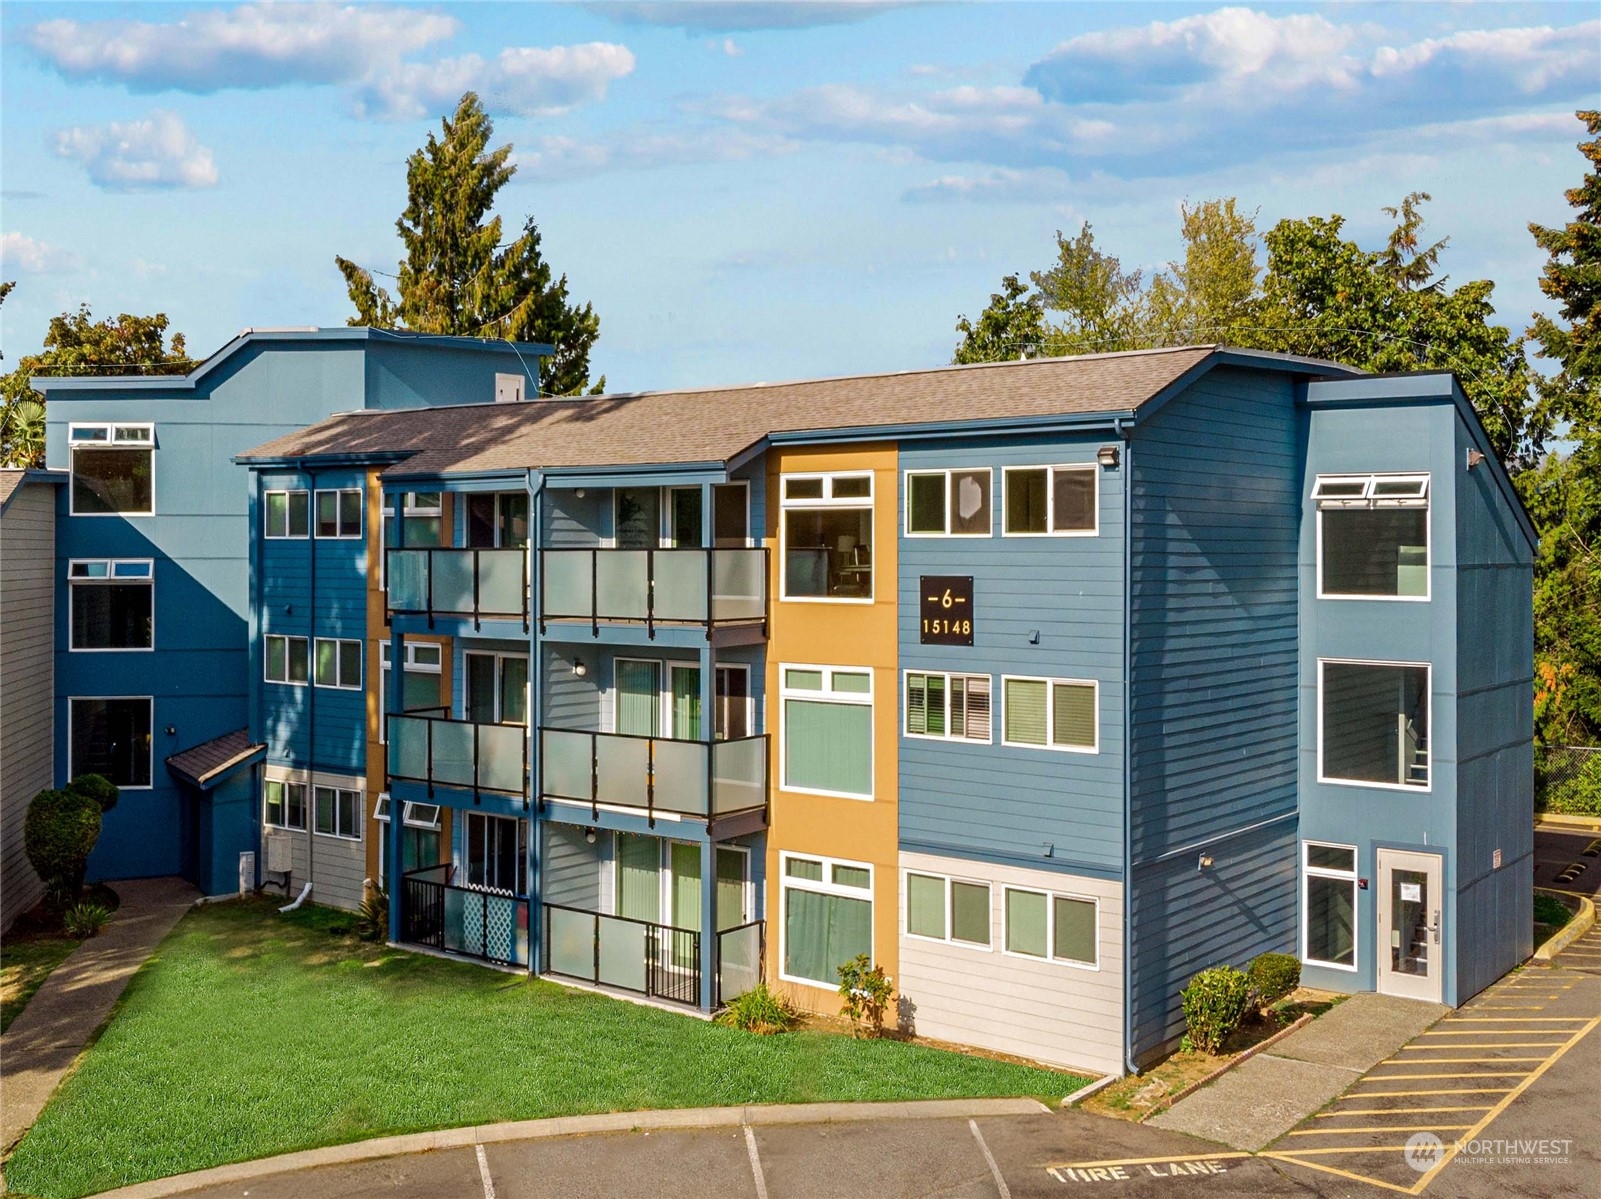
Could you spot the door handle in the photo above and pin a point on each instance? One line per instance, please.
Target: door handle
(1435, 927)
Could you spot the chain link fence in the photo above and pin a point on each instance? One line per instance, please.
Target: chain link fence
(1567, 779)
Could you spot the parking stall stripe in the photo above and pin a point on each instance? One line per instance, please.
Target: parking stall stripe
(1328, 1169)
(995, 1170)
(1346, 1132)
(755, 1163)
(1402, 1111)
(1461, 1091)
(483, 1173)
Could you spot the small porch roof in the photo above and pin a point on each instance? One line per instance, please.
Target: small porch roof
(206, 765)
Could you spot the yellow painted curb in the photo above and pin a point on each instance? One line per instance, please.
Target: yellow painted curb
(1570, 932)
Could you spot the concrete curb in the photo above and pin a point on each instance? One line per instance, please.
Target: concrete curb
(1083, 1093)
(1556, 822)
(565, 1126)
(1570, 932)
(1184, 1092)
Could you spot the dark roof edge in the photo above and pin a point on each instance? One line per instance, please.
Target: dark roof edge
(220, 772)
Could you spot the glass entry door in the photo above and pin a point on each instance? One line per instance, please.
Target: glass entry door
(1410, 949)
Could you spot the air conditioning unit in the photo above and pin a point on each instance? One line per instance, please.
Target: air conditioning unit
(280, 854)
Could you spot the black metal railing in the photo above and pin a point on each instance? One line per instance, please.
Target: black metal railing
(475, 922)
(654, 586)
(439, 751)
(740, 953)
(457, 581)
(704, 779)
(651, 959)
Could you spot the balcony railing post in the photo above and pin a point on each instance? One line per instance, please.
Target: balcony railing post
(428, 742)
(594, 593)
(477, 601)
(710, 576)
(429, 560)
(650, 593)
(527, 563)
(477, 745)
(650, 782)
(594, 776)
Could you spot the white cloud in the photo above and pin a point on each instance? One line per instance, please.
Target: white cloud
(252, 46)
(527, 81)
(29, 256)
(738, 16)
(999, 185)
(558, 158)
(158, 152)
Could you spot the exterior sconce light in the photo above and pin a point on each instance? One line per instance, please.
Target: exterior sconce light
(578, 492)
(579, 668)
(1205, 863)
(1107, 455)
(1474, 458)
(589, 835)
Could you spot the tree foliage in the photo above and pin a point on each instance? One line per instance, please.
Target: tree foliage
(1012, 326)
(457, 278)
(77, 344)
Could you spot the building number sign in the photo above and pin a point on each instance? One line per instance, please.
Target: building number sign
(947, 609)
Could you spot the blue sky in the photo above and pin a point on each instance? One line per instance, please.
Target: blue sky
(751, 191)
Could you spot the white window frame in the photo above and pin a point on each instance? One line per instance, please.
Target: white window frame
(305, 803)
(410, 817)
(111, 579)
(337, 790)
(1050, 712)
(149, 699)
(1367, 500)
(948, 675)
(989, 490)
(1309, 871)
(339, 533)
(288, 493)
(1428, 692)
(410, 508)
(826, 887)
(339, 643)
(826, 502)
(827, 696)
(950, 881)
(1050, 957)
(111, 442)
(266, 658)
(1050, 469)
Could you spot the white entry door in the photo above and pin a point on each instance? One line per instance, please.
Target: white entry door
(1410, 947)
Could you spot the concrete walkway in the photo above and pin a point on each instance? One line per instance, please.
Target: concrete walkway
(39, 1048)
(1252, 1106)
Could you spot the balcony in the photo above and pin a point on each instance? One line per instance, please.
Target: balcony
(474, 922)
(705, 780)
(702, 587)
(439, 751)
(655, 960)
(480, 584)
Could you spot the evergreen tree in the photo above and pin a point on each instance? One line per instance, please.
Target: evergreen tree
(457, 278)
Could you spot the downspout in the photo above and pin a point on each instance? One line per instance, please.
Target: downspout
(311, 689)
(258, 772)
(535, 483)
(1128, 745)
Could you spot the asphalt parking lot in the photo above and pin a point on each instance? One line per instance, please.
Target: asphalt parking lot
(1557, 853)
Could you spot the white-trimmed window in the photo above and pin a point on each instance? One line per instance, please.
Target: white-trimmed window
(338, 663)
(283, 804)
(286, 513)
(424, 517)
(336, 813)
(1373, 723)
(1060, 501)
(1372, 536)
(339, 512)
(1051, 713)
(288, 659)
(828, 916)
(827, 729)
(827, 536)
(111, 736)
(941, 908)
(421, 824)
(952, 707)
(1052, 927)
(113, 469)
(1328, 907)
(949, 503)
(113, 603)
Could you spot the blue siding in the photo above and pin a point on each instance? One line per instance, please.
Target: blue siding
(1037, 807)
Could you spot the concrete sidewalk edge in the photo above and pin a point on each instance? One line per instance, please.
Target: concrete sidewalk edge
(560, 1126)
(1570, 932)
(1560, 822)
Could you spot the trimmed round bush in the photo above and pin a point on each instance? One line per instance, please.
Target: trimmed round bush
(1214, 1004)
(58, 833)
(96, 787)
(1273, 976)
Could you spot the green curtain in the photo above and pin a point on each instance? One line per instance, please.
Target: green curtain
(925, 906)
(514, 690)
(823, 932)
(686, 886)
(828, 747)
(1073, 721)
(1074, 934)
(730, 888)
(970, 913)
(1025, 712)
(1025, 923)
(638, 877)
(639, 686)
(686, 703)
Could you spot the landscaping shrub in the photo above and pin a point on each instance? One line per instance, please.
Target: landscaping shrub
(759, 1011)
(58, 833)
(84, 920)
(96, 787)
(1551, 911)
(1214, 1003)
(372, 921)
(1273, 976)
(866, 991)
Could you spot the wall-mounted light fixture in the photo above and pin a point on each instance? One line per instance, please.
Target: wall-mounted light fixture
(578, 492)
(1108, 455)
(579, 668)
(589, 835)
(1033, 636)
(172, 730)
(1205, 863)
(1474, 458)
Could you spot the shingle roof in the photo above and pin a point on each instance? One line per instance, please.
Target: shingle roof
(12, 478)
(714, 425)
(203, 764)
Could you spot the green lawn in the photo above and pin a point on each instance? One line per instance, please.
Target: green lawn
(24, 964)
(252, 1034)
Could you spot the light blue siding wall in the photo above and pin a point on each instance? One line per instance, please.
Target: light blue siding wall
(1213, 634)
(1413, 437)
(1495, 730)
(1037, 807)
